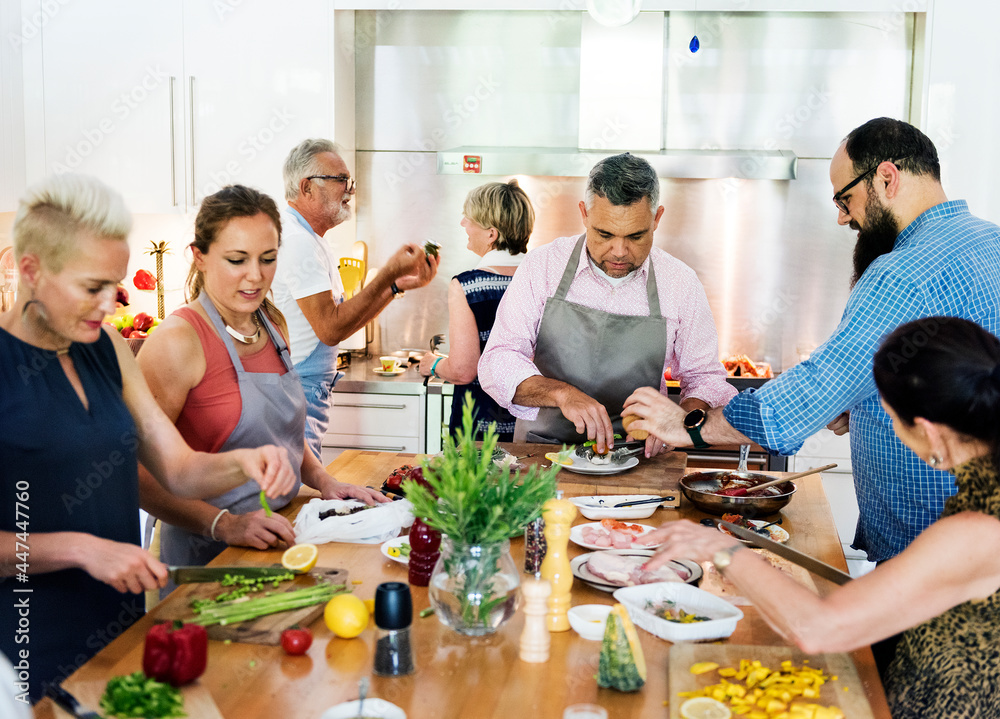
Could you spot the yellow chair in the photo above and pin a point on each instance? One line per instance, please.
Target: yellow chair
(352, 273)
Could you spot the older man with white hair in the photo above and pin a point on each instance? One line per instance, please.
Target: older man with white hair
(307, 287)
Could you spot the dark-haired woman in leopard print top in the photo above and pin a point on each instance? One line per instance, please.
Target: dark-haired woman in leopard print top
(939, 379)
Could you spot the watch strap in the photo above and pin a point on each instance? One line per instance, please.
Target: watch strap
(695, 434)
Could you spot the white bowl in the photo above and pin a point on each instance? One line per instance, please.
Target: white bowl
(691, 599)
(373, 707)
(589, 620)
(597, 507)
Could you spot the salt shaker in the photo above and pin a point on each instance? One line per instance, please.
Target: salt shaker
(535, 640)
(558, 514)
(393, 616)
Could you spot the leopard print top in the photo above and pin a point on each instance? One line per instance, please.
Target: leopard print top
(949, 666)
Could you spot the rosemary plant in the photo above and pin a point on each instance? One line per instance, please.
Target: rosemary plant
(471, 500)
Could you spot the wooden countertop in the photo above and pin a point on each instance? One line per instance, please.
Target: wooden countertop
(456, 676)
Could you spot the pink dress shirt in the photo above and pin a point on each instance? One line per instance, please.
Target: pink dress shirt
(692, 341)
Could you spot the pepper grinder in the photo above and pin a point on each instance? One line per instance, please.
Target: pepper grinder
(535, 638)
(425, 548)
(558, 514)
(393, 616)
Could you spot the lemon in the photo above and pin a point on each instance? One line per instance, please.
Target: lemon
(300, 558)
(346, 616)
(558, 458)
(704, 708)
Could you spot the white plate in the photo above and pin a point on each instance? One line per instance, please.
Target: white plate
(391, 373)
(684, 567)
(584, 466)
(373, 707)
(395, 543)
(576, 536)
(603, 506)
(775, 533)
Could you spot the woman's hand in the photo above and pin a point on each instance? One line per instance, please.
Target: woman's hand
(124, 566)
(255, 529)
(341, 490)
(684, 538)
(269, 466)
(427, 362)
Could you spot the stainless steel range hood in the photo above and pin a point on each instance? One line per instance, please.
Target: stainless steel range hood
(570, 162)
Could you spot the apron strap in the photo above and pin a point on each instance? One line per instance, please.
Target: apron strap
(277, 339)
(570, 272)
(651, 293)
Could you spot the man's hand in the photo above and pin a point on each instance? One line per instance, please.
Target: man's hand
(255, 529)
(268, 465)
(412, 267)
(589, 416)
(658, 415)
(840, 425)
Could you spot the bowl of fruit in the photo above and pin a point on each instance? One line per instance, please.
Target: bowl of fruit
(134, 328)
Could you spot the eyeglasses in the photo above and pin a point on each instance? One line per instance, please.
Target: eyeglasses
(346, 179)
(841, 204)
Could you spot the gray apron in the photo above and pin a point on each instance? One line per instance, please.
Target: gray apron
(604, 355)
(273, 412)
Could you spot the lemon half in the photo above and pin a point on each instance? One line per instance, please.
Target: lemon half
(300, 558)
(559, 458)
(704, 708)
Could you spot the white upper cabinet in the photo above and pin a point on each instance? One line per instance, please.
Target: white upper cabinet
(168, 102)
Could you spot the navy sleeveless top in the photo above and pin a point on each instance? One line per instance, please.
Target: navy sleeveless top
(64, 468)
(483, 291)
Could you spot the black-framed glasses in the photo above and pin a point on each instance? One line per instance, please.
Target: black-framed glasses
(346, 179)
(841, 205)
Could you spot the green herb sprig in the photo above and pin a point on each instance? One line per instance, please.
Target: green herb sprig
(472, 501)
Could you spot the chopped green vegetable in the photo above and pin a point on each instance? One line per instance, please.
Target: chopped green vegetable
(243, 609)
(426, 612)
(241, 587)
(264, 504)
(134, 695)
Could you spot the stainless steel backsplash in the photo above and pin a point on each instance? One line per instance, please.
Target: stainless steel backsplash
(774, 262)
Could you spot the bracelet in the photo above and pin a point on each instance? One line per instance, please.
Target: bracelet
(434, 367)
(215, 521)
(396, 292)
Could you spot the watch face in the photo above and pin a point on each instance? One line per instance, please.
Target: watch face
(695, 418)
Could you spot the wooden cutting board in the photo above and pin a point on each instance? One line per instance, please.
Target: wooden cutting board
(198, 703)
(847, 692)
(262, 630)
(659, 475)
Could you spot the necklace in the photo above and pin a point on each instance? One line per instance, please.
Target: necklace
(245, 339)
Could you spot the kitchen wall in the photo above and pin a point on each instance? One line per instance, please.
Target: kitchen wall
(774, 263)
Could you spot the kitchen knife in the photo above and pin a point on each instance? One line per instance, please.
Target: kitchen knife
(654, 500)
(191, 575)
(803, 560)
(68, 702)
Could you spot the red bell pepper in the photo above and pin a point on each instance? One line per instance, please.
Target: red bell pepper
(175, 653)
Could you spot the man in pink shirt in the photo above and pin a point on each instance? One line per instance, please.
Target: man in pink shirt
(588, 319)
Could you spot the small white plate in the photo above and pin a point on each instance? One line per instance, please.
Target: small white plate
(373, 707)
(585, 466)
(576, 536)
(688, 570)
(775, 533)
(391, 373)
(398, 541)
(598, 506)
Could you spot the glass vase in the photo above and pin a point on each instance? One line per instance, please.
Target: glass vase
(475, 588)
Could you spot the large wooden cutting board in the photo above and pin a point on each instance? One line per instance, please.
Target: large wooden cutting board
(658, 475)
(198, 702)
(262, 630)
(847, 692)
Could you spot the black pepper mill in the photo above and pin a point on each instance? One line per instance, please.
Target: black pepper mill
(393, 616)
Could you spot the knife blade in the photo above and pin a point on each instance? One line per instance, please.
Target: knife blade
(192, 575)
(654, 500)
(68, 702)
(815, 566)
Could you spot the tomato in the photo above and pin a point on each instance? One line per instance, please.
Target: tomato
(296, 641)
(144, 280)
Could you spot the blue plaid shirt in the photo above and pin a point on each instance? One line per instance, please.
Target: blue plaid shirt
(945, 262)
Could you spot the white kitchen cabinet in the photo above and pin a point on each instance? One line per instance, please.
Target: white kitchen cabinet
(376, 422)
(168, 102)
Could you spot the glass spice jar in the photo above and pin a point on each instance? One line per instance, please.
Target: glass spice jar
(534, 546)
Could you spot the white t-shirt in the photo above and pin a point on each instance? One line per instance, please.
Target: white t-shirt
(306, 266)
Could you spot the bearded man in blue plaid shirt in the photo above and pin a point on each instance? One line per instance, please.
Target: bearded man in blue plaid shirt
(917, 255)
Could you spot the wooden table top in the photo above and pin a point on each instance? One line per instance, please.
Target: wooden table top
(456, 676)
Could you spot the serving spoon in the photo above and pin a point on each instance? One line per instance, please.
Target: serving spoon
(743, 491)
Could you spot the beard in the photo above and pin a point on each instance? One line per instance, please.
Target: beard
(876, 238)
(610, 271)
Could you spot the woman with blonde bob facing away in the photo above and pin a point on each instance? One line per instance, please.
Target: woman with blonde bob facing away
(939, 379)
(77, 419)
(498, 218)
(220, 369)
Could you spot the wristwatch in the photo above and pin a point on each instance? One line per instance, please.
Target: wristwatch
(693, 422)
(396, 292)
(724, 557)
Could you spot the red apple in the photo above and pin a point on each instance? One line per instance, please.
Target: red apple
(127, 332)
(137, 335)
(142, 321)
